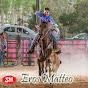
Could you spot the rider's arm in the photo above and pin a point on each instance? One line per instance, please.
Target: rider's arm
(52, 21)
(38, 14)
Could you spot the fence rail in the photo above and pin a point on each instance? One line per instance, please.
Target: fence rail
(12, 58)
(11, 55)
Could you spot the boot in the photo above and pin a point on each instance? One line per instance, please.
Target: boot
(55, 46)
(31, 50)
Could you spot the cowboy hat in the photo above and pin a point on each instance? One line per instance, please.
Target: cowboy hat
(56, 25)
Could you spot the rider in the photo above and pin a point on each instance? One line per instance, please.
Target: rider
(56, 32)
(45, 17)
(3, 47)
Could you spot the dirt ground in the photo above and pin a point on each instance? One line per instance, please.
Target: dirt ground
(19, 85)
(17, 71)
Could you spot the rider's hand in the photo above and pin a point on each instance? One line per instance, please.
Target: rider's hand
(37, 12)
(51, 23)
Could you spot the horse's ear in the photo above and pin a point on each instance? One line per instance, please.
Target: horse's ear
(58, 51)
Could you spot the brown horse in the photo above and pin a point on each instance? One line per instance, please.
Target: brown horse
(45, 42)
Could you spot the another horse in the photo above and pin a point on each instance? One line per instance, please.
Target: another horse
(52, 61)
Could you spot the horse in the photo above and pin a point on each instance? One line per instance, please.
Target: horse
(45, 42)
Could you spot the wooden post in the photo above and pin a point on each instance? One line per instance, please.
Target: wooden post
(37, 9)
(19, 49)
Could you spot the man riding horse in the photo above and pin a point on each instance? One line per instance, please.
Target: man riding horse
(45, 17)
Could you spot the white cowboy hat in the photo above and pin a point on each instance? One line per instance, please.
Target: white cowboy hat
(56, 25)
(26, 24)
(1, 31)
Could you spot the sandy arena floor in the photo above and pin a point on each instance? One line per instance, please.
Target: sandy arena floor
(79, 81)
(73, 64)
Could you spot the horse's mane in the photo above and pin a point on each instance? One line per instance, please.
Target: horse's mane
(48, 52)
(43, 25)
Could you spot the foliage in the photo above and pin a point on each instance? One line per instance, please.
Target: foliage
(32, 18)
(77, 21)
(71, 15)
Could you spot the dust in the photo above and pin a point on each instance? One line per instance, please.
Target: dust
(74, 63)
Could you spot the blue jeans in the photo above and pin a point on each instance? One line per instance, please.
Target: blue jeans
(54, 38)
(1, 57)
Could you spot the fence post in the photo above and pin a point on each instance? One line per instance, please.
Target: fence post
(29, 62)
(19, 49)
(7, 52)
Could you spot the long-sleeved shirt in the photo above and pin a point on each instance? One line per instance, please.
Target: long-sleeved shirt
(46, 18)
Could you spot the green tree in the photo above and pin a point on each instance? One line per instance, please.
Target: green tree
(32, 18)
(4, 8)
(77, 20)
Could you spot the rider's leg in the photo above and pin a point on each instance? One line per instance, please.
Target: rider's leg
(54, 38)
(31, 50)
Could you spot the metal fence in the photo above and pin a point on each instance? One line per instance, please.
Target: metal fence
(11, 52)
(12, 58)
(74, 45)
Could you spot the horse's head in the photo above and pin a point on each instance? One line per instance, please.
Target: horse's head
(43, 27)
(52, 54)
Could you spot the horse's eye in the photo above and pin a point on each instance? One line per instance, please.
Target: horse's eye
(48, 60)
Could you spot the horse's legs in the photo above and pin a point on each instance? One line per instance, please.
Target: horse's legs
(39, 67)
(42, 67)
(47, 67)
(50, 70)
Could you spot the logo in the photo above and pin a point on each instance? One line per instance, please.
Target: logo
(9, 79)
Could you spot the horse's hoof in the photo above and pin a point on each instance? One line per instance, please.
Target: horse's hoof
(60, 62)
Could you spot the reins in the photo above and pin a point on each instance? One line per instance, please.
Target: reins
(47, 31)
